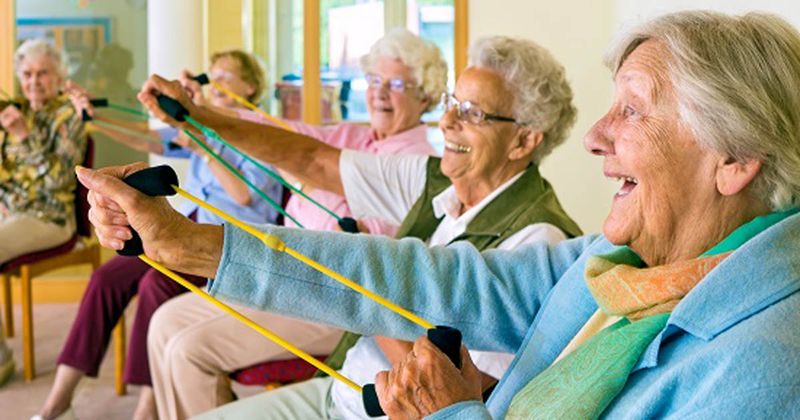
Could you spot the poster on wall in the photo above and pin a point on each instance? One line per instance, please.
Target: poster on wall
(81, 38)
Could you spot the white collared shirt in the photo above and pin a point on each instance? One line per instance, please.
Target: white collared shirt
(387, 187)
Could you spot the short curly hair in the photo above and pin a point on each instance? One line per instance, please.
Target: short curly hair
(542, 95)
(34, 47)
(250, 71)
(425, 58)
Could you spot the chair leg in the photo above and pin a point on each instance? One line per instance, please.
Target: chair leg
(119, 356)
(28, 359)
(8, 305)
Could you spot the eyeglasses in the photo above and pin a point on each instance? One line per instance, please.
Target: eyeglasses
(396, 85)
(467, 111)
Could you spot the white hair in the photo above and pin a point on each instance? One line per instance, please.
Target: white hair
(542, 97)
(41, 47)
(737, 79)
(424, 58)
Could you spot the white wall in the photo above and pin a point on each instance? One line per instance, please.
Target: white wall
(629, 12)
(577, 33)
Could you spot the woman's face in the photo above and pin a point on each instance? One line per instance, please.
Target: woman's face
(39, 79)
(479, 152)
(226, 72)
(392, 112)
(667, 179)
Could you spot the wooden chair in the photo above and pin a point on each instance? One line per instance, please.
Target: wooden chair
(82, 248)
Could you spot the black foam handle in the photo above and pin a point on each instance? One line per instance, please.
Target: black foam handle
(202, 78)
(155, 181)
(97, 103)
(446, 339)
(348, 224)
(172, 107)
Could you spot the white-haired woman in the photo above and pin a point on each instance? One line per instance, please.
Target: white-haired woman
(42, 139)
(192, 346)
(686, 307)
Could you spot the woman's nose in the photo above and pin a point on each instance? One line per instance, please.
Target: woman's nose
(598, 139)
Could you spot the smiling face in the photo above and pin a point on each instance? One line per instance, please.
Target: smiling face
(668, 188)
(393, 112)
(226, 71)
(39, 79)
(487, 151)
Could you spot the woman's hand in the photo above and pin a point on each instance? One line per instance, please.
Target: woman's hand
(79, 98)
(426, 382)
(167, 236)
(193, 87)
(13, 122)
(157, 85)
(183, 140)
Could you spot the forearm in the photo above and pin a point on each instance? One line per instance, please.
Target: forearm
(233, 186)
(303, 156)
(493, 305)
(199, 253)
(129, 140)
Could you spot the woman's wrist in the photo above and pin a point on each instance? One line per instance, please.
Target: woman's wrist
(197, 250)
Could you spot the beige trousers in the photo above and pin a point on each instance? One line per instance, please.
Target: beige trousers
(192, 346)
(21, 234)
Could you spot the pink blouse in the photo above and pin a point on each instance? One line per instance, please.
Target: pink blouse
(347, 136)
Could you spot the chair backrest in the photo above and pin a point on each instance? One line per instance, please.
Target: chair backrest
(84, 227)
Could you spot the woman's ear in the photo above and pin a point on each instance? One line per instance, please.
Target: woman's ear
(734, 176)
(527, 141)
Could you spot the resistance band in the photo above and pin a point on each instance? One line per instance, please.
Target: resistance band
(162, 181)
(209, 151)
(179, 113)
(203, 79)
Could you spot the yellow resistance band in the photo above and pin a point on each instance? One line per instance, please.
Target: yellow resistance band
(247, 321)
(247, 104)
(275, 243)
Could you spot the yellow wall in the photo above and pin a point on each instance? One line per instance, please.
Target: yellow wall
(222, 26)
(7, 46)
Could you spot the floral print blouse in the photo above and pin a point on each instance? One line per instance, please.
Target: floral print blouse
(37, 175)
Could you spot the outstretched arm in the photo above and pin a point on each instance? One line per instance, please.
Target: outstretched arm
(286, 150)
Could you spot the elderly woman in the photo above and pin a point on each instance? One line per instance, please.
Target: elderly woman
(687, 306)
(488, 160)
(113, 285)
(192, 345)
(42, 139)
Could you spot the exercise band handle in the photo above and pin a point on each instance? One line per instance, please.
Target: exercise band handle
(446, 339)
(172, 107)
(97, 103)
(202, 78)
(155, 181)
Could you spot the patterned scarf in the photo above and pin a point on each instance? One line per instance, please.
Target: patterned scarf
(583, 384)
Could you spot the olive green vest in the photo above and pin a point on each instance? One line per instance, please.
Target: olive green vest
(529, 200)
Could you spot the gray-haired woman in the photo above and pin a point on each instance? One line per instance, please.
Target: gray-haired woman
(41, 140)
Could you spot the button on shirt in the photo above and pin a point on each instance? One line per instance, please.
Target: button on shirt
(389, 186)
(202, 183)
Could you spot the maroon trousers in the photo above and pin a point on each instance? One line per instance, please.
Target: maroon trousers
(111, 288)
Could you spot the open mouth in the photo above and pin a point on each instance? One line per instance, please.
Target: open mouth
(455, 147)
(629, 183)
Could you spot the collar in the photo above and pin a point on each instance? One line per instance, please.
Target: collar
(765, 266)
(412, 135)
(446, 202)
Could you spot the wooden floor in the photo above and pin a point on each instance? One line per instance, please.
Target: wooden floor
(55, 307)
(95, 398)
